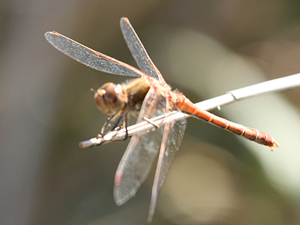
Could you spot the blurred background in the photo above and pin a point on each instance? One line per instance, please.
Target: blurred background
(203, 48)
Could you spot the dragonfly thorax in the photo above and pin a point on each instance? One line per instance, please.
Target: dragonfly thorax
(110, 98)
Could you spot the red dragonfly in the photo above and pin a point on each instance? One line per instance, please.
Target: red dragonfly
(147, 96)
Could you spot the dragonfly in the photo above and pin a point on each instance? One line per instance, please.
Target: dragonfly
(147, 96)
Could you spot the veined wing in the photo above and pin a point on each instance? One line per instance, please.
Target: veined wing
(171, 140)
(138, 51)
(90, 57)
(140, 153)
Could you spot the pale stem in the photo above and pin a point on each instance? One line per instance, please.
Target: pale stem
(238, 94)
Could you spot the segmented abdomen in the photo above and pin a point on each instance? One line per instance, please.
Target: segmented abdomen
(186, 106)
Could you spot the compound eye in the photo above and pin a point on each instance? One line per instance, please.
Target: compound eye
(111, 93)
(109, 98)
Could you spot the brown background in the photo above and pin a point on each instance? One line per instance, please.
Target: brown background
(203, 48)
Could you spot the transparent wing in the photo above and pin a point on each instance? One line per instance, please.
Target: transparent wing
(140, 153)
(171, 140)
(138, 51)
(90, 57)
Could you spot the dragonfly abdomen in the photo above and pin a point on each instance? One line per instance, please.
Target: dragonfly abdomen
(186, 106)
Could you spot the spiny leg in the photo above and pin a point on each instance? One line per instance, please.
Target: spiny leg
(153, 124)
(125, 121)
(111, 118)
(123, 124)
(116, 123)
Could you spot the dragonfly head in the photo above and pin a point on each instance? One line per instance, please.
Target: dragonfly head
(110, 98)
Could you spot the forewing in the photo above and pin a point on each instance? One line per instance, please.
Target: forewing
(139, 156)
(171, 140)
(90, 57)
(138, 51)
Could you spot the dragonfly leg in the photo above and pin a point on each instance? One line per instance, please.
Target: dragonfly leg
(122, 124)
(126, 127)
(108, 121)
(115, 126)
(153, 124)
